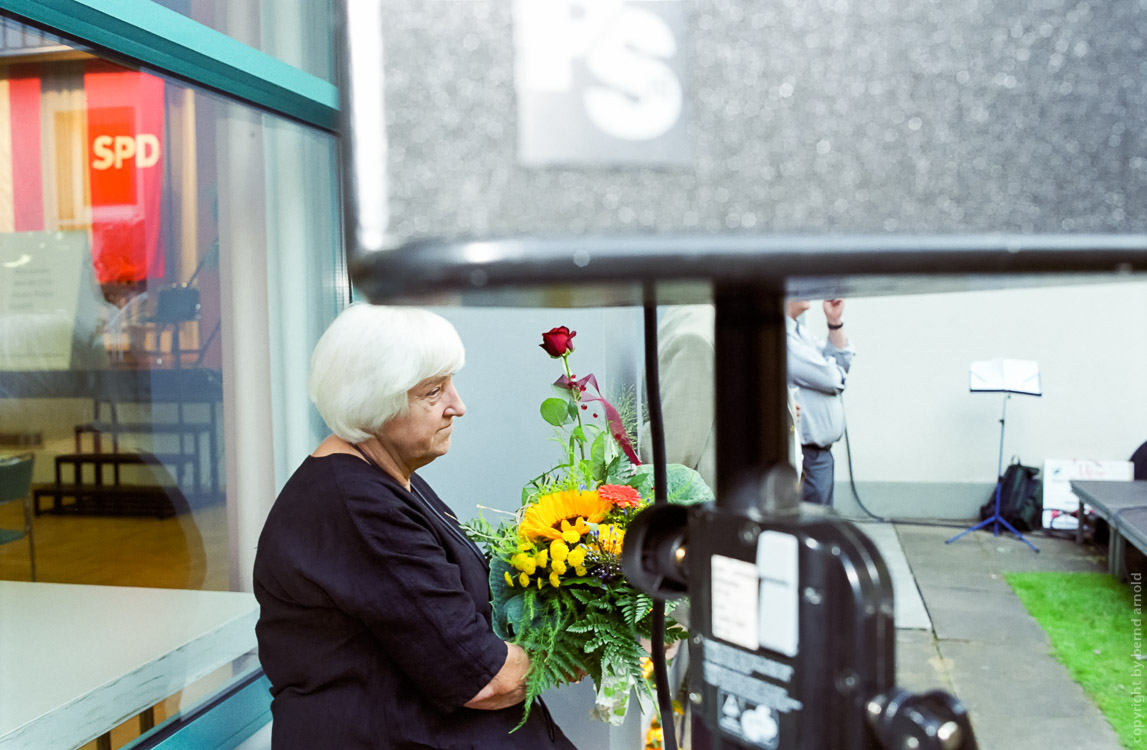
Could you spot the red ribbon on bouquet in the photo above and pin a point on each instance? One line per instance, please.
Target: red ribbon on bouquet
(612, 417)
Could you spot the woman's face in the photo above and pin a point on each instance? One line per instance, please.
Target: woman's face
(423, 433)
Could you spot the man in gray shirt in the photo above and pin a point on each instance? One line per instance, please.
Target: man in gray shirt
(818, 370)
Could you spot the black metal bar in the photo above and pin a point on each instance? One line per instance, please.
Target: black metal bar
(751, 384)
(853, 265)
(660, 483)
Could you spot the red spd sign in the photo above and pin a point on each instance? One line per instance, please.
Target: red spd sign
(125, 121)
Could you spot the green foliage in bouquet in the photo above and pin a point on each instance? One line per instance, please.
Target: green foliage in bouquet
(555, 571)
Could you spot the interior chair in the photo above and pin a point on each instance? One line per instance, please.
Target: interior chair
(16, 484)
(174, 306)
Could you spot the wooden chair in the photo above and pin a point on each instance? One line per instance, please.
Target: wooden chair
(16, 484)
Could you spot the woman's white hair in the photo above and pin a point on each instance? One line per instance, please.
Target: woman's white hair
(368, 359)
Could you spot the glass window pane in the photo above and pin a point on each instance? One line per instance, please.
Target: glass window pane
(298, 32)
(109, 349)
(167, 260)
(114, 247)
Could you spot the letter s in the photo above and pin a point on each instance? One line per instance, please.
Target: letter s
(642, 98)
(101, 147)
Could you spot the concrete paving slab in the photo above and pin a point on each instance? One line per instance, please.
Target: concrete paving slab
(1011, 690)
(919, 666)
(909, 607)
(984, 618)
(993, 655)
(1057, 732)
(959, 575)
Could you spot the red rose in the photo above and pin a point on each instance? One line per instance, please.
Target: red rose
(558, 341)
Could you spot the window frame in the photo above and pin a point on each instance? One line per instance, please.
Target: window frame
(173, 44)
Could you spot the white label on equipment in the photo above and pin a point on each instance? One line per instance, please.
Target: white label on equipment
(734, 606)
(778, 566)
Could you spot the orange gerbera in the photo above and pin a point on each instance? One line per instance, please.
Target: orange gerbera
(620, 495)
(543, 519)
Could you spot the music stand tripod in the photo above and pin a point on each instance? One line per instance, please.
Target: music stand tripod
(1008, 377)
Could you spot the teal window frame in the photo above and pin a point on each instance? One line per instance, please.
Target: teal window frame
(168, 42)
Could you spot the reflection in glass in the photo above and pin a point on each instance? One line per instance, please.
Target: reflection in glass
(111, 310)
(162, 252)
(109, 358)
(298, 32)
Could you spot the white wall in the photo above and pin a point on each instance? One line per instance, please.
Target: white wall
(912, 419)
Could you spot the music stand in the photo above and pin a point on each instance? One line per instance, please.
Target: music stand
(1005, 376)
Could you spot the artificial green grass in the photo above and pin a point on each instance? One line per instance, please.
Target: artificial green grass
(1095, 624)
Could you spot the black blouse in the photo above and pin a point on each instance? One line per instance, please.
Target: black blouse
(374, 626)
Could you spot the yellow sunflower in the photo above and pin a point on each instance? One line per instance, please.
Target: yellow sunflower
(543, 519)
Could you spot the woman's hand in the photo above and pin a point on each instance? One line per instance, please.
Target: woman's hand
(508, 688)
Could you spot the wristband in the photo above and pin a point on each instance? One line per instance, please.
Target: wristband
(836, 327)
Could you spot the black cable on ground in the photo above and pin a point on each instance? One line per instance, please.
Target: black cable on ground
(885, 519)
(852, 483)
(660, 480)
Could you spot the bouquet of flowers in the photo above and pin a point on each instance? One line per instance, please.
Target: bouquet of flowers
(555, 570)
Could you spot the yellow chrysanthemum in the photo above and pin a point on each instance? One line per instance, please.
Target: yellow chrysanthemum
(543, 519)
(558, 551)
(581, 571)
(609, 539)
(576, 557)
(509, 580)
(555, 581)
(524, 579)
(524, 562)
(542, 559)
(559, 567)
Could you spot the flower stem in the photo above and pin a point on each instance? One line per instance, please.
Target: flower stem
(495, 510)
(577, 412)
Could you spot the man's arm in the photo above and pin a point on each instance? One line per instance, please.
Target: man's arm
(809, 369)
(834, 314)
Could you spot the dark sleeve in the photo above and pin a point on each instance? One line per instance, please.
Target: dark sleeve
(411, 596)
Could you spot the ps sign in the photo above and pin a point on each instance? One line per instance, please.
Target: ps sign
(600, 81)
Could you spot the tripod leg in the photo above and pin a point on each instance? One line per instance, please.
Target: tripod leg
(1019, 536)
(970, 529)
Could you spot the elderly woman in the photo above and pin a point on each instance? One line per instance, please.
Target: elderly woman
(375, 607)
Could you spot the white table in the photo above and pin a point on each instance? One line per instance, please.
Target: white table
(76, 661)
